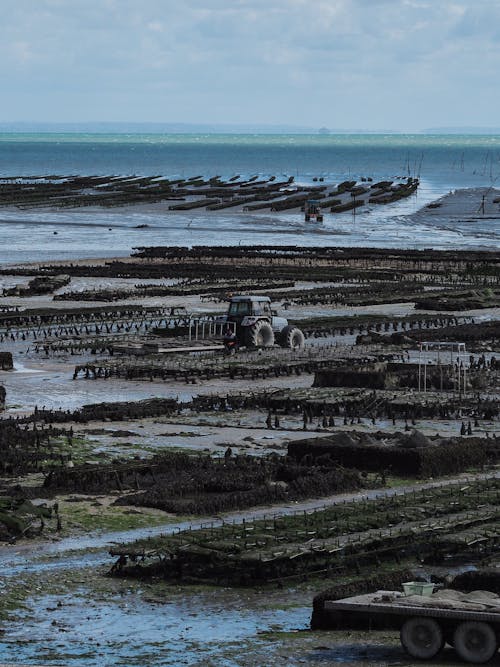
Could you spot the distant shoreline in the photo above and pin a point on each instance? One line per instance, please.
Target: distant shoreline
(193, 128)
(244, 132)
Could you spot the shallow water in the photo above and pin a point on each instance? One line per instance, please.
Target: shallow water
(442, 162)
(129, 630)
(37, 236)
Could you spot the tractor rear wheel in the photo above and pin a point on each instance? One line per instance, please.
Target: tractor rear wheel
(260, 335)
(292, 338)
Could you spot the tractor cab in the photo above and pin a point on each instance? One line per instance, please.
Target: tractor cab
(312, 209)
(245, 310)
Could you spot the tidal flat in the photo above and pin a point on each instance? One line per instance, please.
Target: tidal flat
(224, 493)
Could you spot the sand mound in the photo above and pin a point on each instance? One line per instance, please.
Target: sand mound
(366, 439)
(343, 439)
(415, 439)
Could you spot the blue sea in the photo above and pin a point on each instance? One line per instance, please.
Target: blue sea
(442, 162)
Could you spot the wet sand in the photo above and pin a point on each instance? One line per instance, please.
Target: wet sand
(82, 618)
(45, 235)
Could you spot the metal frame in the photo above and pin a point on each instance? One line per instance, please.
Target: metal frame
(205, 326)
(458, 366)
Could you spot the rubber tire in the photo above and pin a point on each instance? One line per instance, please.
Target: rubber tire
(260, 335)
(319, 218)
(308, 218)
(475, 642)
(292, 338)
(422, 638)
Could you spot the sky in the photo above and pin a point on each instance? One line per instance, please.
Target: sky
(397, 65)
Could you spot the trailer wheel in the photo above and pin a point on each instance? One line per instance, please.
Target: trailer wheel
(260, 335)
(421, 638)
(475, 642)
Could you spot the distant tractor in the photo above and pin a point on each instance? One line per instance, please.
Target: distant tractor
(252, 322)
(312, 210)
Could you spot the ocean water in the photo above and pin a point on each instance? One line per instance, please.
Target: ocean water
(442, 162)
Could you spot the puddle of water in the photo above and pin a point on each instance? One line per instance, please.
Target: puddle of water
(79, 631)
(373, 656)
(19, 367)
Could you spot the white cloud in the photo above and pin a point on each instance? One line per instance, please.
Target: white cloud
(171, 60)
(21, 52)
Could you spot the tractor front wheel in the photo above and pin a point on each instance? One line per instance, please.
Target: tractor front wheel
(260, 335)
(292, 338)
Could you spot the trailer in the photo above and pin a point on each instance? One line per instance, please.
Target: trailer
(470, 622)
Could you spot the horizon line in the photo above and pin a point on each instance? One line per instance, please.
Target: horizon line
(157, 127)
